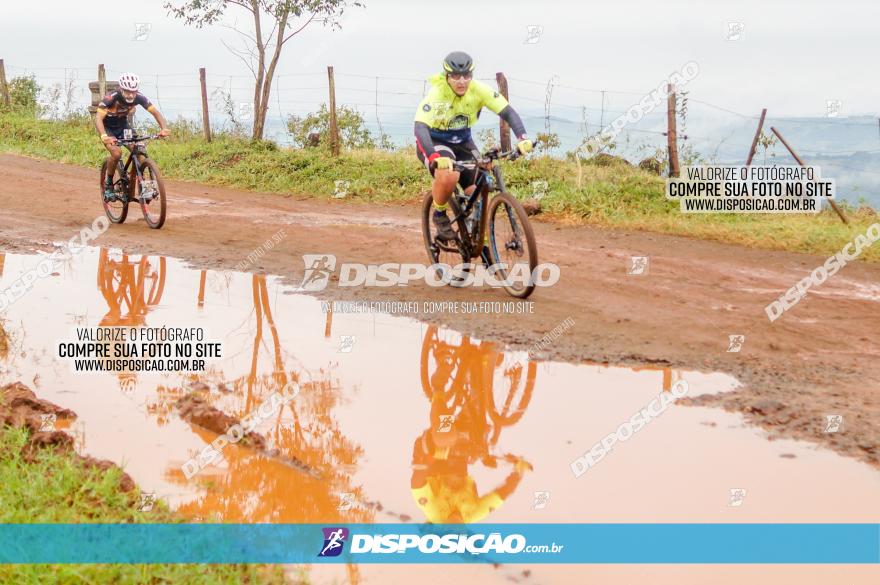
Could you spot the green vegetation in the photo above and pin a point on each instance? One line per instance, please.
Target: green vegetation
(599, 191)
(353, 132)
(55, 487)
(23, 93)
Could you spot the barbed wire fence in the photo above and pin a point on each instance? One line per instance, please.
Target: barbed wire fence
(387, 103)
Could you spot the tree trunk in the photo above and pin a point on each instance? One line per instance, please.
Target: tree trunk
(261, 68)
(261, 114)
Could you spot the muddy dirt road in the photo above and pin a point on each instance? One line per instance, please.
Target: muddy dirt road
(820, 358)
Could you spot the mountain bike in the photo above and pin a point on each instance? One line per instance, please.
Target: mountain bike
(138, 180)
(510, 239)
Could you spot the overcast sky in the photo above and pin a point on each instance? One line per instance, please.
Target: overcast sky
(791, 57)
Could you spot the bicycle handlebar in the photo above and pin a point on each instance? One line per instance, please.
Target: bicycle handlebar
(137, 139)
(486, 158)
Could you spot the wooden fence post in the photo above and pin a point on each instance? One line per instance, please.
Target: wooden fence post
(206, 121)
(671, 133)
(801, 162)
(334, 127)
(4, 87)
(504, 128)
(102, 81)
(757, 136)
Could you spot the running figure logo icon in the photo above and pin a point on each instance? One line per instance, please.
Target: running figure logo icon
(542, 500)
(318, 268)
(638, 266)
(147, 501)
(735, 31)
(534, 32)
(833, 423)
(445, 424)
(334, 541)
(346, 343)
(47, 422)
(737, 496)
(736, 343)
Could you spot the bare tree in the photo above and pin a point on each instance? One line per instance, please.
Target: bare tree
(262, 51)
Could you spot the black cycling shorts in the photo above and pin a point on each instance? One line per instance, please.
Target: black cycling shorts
(459, 152)
(118, 133)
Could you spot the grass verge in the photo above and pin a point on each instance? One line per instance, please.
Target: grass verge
(616, 196)
(55, 487)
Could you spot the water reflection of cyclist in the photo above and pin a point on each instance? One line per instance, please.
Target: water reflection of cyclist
(131, 289)
(441, 484)
(458, 379)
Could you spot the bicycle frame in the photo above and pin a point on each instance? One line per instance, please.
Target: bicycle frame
(481, 191)
(133, 160)
(136, 148)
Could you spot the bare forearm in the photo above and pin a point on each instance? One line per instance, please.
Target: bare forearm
(163, 124)
(99, 124)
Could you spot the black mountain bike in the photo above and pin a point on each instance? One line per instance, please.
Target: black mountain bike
(138, 180)
(510, 240)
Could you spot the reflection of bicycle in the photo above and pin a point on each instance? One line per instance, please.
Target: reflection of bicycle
(137, 180)
(130, 287)
(474, 377)
(510, 239)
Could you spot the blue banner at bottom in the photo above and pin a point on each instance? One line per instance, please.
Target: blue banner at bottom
(442, 543)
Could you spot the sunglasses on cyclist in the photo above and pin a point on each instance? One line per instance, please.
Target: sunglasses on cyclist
(460, 76)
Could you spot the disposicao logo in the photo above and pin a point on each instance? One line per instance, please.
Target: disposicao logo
(334, 542)
(319, 267)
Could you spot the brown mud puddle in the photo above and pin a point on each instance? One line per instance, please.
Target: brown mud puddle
(20, 408)
(402, 421)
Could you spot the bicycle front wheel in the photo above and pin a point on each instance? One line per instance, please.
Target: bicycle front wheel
(117, 209)
(512, 245)
(150, 192)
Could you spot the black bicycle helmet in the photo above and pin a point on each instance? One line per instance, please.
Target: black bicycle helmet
(458, 62)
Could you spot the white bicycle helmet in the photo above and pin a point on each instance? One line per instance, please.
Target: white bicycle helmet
(129, 82)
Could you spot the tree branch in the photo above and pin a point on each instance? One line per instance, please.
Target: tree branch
(243, 3)
(237, 53)
(311, 18)
(242, 33)
(270, 35)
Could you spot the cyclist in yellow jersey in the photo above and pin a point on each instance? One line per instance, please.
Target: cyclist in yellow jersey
(443, 130)
(441, 483)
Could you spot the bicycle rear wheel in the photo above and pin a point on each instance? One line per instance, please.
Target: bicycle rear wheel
(150, 192)
(512, 243)
(116, 210)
